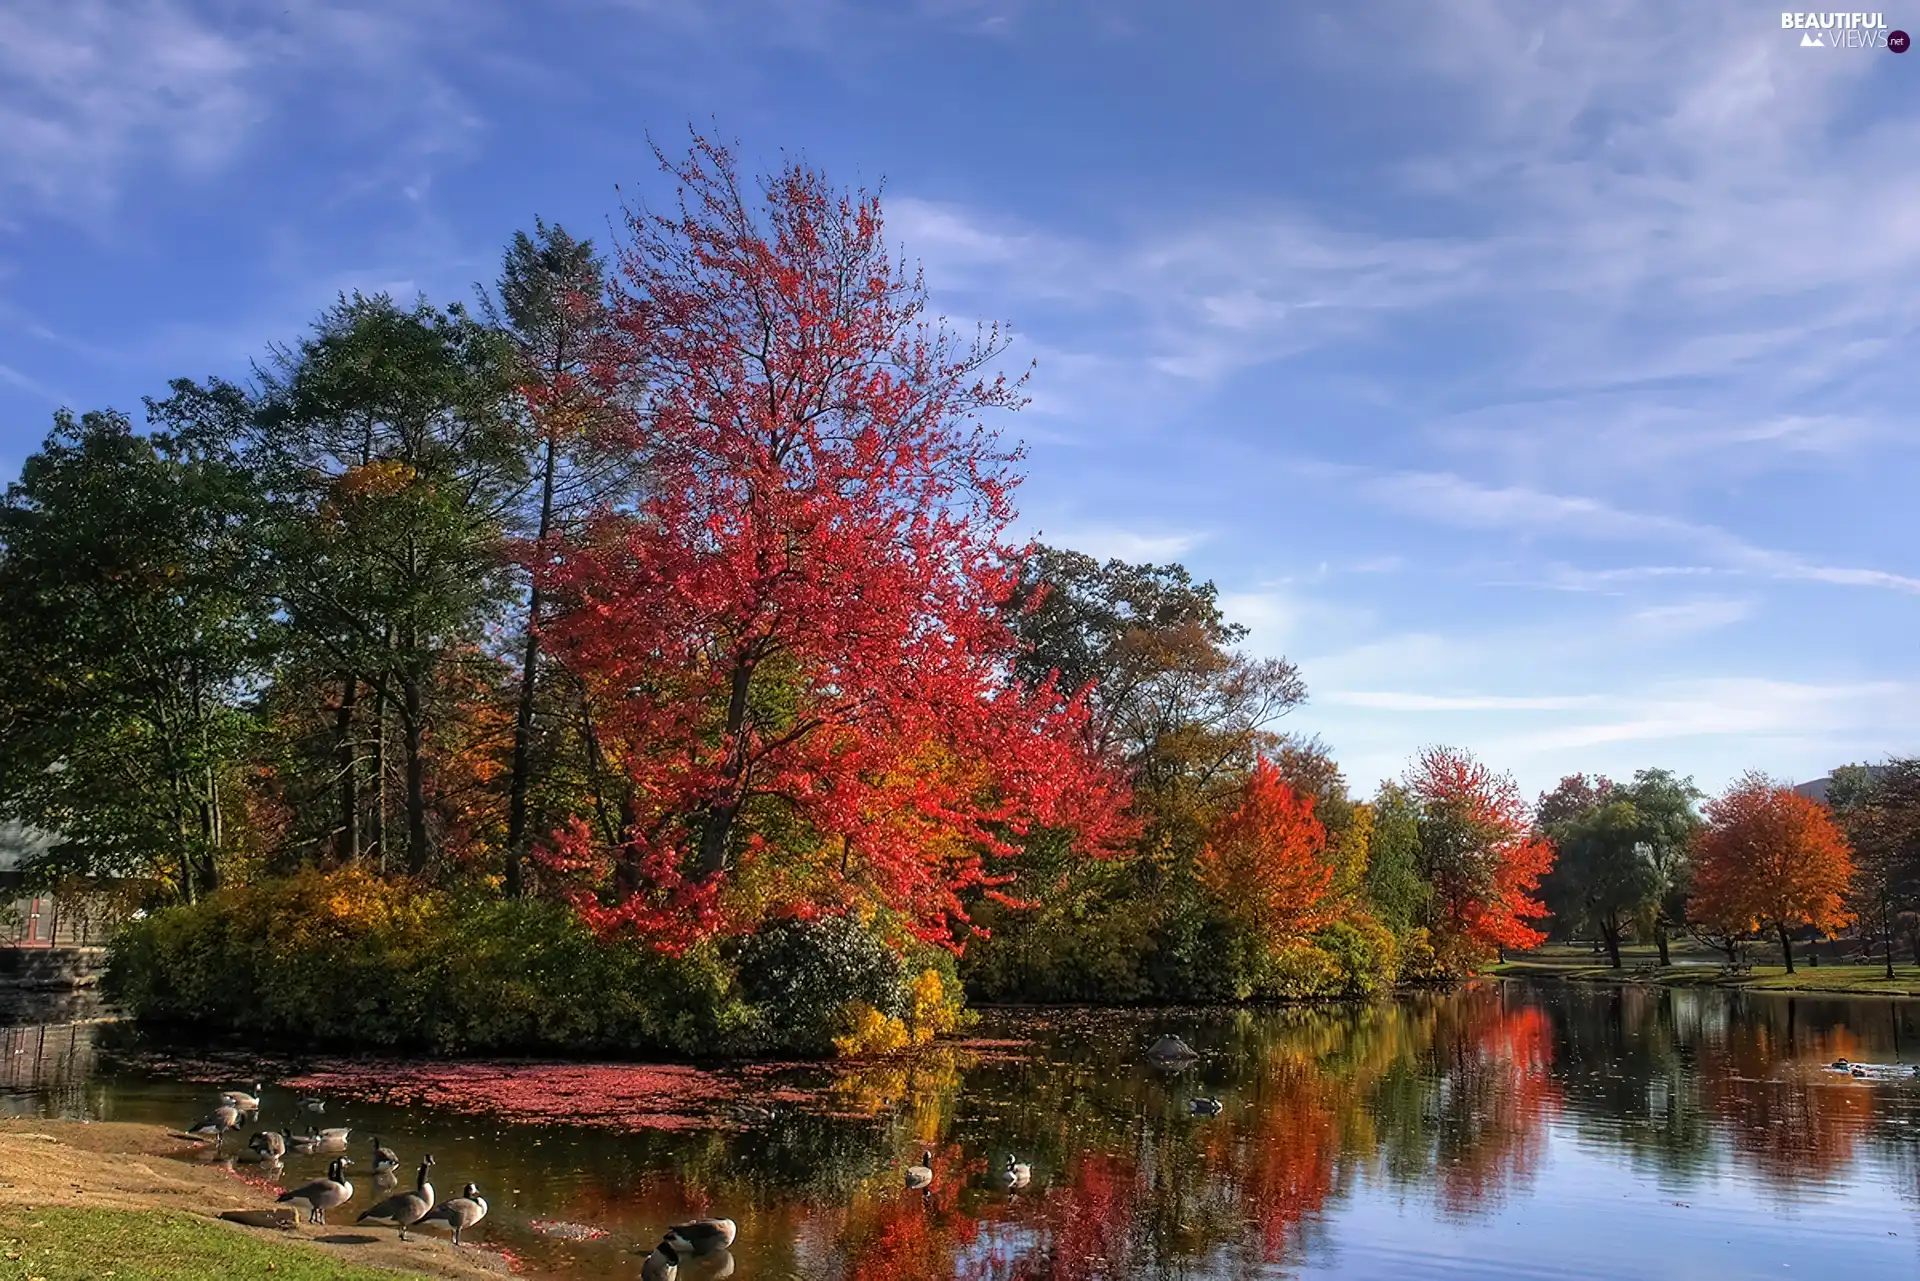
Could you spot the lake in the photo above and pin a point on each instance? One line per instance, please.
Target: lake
(1500, 1131)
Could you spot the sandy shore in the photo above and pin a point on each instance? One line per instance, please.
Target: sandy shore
(118, 1166)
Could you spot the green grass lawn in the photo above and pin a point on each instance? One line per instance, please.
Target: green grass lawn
(1697, 968)
(153, 1245)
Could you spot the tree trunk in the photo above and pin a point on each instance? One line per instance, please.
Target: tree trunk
(716, 831)
(522, 755)
(346, 753)
(529, 677)
(379, 816)
(1610, 930)
(597, 767)
(1786, 946)
(1886, 915)
(1660, 941)
(411, 714)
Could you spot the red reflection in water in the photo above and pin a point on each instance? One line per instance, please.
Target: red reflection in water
(1500, 1097)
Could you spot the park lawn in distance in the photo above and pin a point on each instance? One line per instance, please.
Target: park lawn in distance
(64, 1244)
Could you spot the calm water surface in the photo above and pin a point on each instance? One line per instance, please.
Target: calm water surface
(1499, 1132)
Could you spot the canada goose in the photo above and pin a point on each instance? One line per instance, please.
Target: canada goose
(1204, 1107)
(405, 1208)
(217, 1122)
(338, 1134)
(245, 1102)
(322, 1195)
(299, 1144)
(921, 1176)
(1017, 1174)
(269, 1145)
(460, 1213)
(662, 1265)
(384, 1158)
(314, 1105)
(701, 1236)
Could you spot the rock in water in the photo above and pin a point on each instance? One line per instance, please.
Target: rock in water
(1170, 1049)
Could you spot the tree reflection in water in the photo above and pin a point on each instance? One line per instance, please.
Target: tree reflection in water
(1448, 1093)
(1439, 1106)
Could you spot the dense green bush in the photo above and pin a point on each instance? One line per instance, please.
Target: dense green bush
(800, 975)
(351, 960)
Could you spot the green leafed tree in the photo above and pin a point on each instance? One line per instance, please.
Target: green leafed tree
(130, 617)
(1879, 809)
(1622, 854)
(390, 441)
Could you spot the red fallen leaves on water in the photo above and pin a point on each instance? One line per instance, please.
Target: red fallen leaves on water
(605, 1096)
(616, 1096)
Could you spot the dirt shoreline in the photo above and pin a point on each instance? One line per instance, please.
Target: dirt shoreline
(113, 1165)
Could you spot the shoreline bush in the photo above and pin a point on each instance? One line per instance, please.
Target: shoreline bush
(348, 960)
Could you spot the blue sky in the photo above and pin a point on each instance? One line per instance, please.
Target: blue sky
(1539, 377)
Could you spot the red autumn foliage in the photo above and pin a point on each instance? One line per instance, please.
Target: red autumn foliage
(1267, 860)
(799, 629)
(1480, 851)
(1769, 856)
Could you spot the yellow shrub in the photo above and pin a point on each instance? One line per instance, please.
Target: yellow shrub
(931, 1010)
(869, 1032)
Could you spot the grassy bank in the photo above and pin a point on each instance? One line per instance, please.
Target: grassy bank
(65, 1244)
(1695, 968)
(108, 1199)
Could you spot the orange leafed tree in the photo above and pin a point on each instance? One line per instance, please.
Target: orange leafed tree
(1769, 857)
(1479, 851)
(1267, 861)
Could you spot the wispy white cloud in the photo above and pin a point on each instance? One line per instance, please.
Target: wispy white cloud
(1445, 498)
(91, 88)
(1105, 541)
(93, 94)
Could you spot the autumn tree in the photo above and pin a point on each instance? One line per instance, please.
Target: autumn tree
(1770, 858)
(1173, 695)
(796, 638)
(1479, 853)
(1267, 861)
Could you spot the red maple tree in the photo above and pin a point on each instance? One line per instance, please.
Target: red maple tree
(1267, 860)
(795, 641)
(1771, 857)
(1479, 850)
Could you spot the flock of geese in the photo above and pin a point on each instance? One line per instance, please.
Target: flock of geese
(700, 1238)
